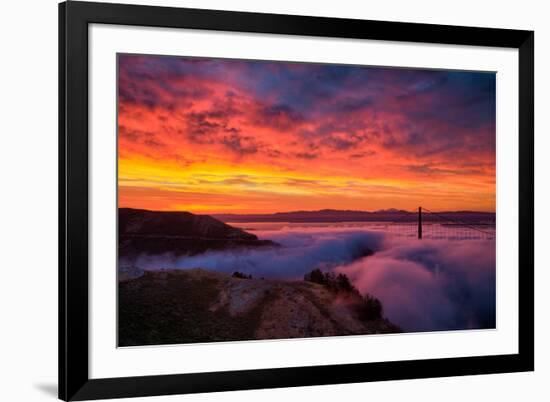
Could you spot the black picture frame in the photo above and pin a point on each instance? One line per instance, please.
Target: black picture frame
(74, 381)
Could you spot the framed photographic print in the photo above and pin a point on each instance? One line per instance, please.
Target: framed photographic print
(257, 200)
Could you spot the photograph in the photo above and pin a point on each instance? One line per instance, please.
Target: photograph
(275, 199)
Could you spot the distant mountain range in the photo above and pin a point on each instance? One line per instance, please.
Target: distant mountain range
(334, 215)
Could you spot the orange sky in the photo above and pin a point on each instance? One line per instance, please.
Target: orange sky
(223, 136)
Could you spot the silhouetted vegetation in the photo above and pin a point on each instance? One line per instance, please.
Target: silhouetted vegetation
(334, 282)
(240, 275)
(370, 309)
(316, 276)
(367, 307)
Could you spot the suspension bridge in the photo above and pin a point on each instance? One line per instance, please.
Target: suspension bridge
(426, 224)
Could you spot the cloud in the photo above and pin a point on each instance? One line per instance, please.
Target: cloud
(432, 285)
(278, 116)
(240, 144)
(353, 104)
(306, 155)
(434, 170)
(302, 250)
(329, 99)
(362, 154)
(206, 127)
(308, 120)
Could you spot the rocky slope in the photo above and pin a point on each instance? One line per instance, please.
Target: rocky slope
(178, 233)
(186, 306)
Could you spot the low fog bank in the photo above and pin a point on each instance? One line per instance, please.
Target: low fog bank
(424, 285)
(302, 251)
(431, 285)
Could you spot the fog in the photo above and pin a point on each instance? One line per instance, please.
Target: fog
(301, 251)
(431, 284)
(423, 285)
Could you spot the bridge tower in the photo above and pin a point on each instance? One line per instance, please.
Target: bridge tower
(419, 223)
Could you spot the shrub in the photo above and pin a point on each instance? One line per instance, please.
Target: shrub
(334, 283)
(240, 275)
(316, 276)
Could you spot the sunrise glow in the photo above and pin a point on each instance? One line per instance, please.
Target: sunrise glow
(220, 136)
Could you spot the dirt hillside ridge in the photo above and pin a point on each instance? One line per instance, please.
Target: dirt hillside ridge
(204, 306)
(178, 233)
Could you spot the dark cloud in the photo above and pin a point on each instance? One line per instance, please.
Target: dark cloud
(154, 143)
(240, 144)
(345, 141)
(434, 170)
(350, 105)
(362, 154)
(206, 127)
(273, 153)
(306, 155)
(140, 136)
(279, 116)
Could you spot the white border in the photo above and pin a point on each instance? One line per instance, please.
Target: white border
(106, 360)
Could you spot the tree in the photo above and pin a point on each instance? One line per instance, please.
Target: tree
(240, 275)
(316, 276)
(370, 309)
(343, 283)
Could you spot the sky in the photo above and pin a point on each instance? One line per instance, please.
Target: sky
(243, 136)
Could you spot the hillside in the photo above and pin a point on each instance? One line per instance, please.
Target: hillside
(178, 233)
(203, 306)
